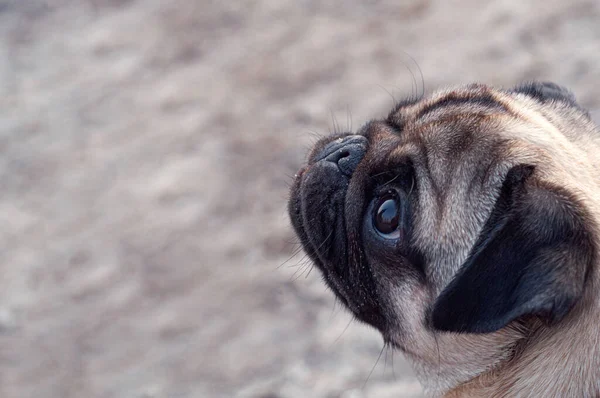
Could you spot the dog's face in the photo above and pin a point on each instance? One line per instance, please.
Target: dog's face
(454, 222)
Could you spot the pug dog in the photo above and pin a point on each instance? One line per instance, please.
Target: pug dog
(465, 228)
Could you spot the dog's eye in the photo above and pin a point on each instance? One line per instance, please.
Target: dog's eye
(387, 215)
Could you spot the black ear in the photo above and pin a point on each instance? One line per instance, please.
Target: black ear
(546, 91)
(531, 258)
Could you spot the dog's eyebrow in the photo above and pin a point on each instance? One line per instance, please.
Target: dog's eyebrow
(471, 102)
(409, 101)
(395, 127)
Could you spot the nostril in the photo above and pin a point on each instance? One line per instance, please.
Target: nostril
(339, 155)
(345, 152)
(347, 157)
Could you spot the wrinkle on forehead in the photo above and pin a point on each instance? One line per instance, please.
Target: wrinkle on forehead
(461, 143)
(460, 163)
(473, 99)
(451, 210)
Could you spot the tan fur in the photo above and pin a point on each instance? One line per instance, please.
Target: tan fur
(537, 361)
(549, 364)
(461, 152)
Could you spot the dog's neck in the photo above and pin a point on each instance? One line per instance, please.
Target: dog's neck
(562, 361)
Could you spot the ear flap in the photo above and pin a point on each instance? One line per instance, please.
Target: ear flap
(531, 258)
(546, 91)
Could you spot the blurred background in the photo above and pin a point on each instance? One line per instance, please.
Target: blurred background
(146, 151)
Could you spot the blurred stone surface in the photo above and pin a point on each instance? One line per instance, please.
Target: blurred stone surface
(146, 147)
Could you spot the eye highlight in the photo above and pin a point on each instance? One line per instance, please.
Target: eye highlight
(387, 215)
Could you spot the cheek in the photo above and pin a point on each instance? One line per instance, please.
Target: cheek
(410, 301)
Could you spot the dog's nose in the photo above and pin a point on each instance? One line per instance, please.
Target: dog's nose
(346, 152)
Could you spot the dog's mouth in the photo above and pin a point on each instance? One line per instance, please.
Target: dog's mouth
(317, 209)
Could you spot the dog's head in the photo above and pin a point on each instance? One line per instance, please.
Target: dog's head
(455, 221)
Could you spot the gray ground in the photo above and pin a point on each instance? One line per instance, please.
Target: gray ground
(146, 148)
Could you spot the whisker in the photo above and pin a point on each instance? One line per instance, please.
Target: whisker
(343, 331)
(297, 251)
(348, 118)
(316, 250)
(394, 101)
(385, 358)
(333, 121)
(335, 300)
(309, 271)
(413, 82)
(294, 254)
(420, 73)
(378, 174)
(374, 366)
(304, 261)
(316, 135)
(393, 370)
(412, 185)
(300, 271)
(301, 266)
(294, 241)
(392, 180)
(300, 274)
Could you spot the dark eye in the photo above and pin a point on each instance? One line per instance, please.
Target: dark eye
(387, 215)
